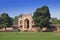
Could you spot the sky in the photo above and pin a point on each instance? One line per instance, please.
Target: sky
(17, 7)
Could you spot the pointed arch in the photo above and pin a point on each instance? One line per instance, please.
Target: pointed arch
(26, 23)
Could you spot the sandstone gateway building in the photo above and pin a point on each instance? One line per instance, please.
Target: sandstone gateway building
(25, 22)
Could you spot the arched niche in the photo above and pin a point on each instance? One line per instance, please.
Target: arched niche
(26, 23)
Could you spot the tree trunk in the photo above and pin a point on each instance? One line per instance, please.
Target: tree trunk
(41, 29)
(5, 28)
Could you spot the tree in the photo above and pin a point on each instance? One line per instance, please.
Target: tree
(0, 20)
(0, 23)
(6, 21)
(55, 21)
(10, 22)
(16, 19)
(42, 17)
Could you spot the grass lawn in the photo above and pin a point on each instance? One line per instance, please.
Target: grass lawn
(30, 36)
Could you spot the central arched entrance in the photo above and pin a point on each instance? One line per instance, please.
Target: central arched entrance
(26, 23)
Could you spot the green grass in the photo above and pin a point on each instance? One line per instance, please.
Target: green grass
(29, 36)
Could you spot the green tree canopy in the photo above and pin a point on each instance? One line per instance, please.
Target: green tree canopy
(42, 17)
(55, 21)
(16, 19)
(5, 20)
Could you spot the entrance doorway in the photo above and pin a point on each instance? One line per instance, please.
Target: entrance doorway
(27, 23)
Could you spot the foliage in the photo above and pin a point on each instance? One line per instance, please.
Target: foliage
(42, 17)
(5, 20)
(16, 19)
(55, 21)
